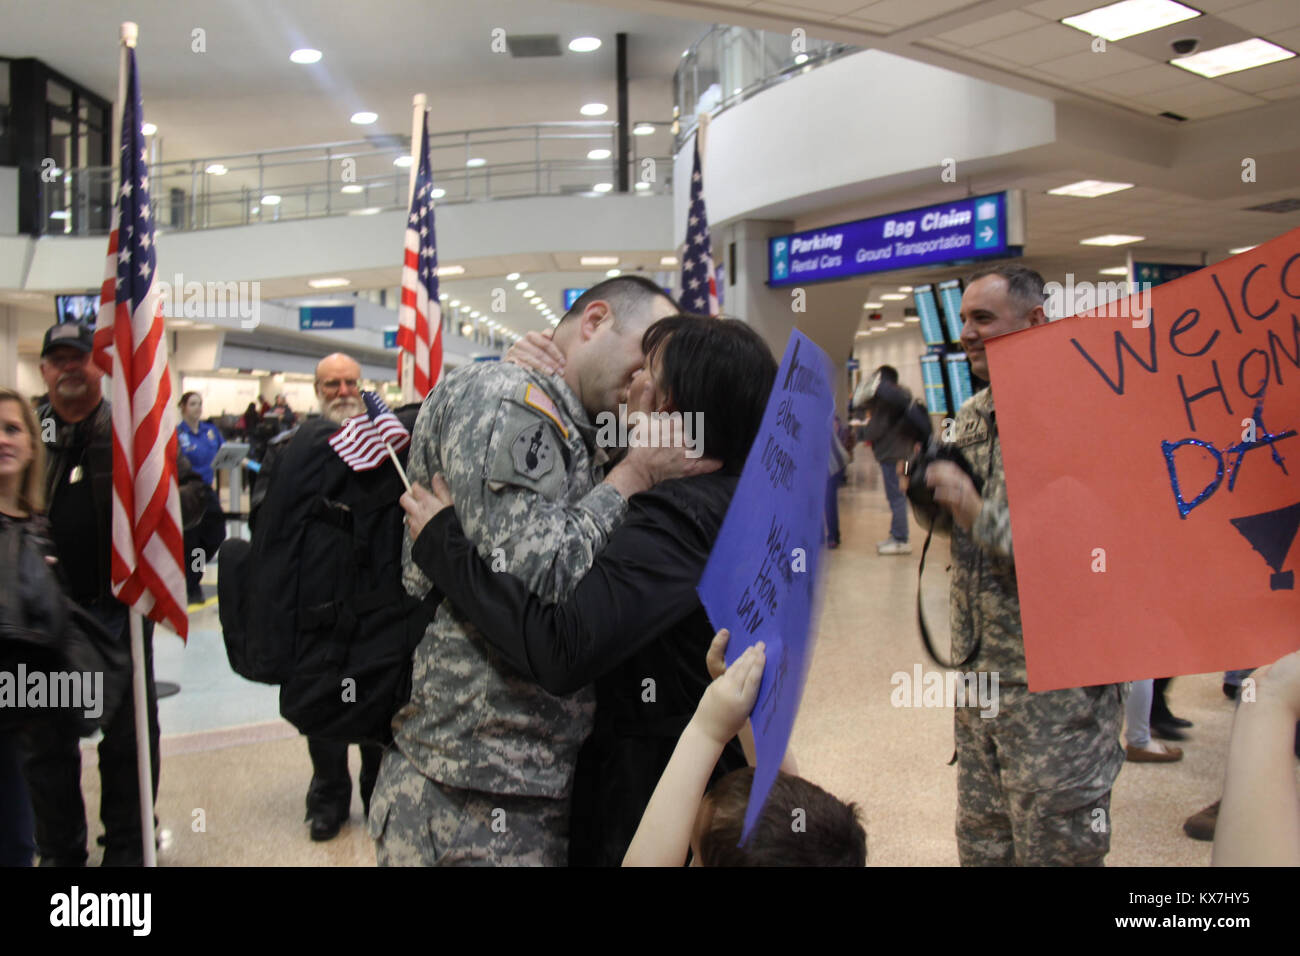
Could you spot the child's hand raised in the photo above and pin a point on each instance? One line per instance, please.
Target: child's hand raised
(726, 704)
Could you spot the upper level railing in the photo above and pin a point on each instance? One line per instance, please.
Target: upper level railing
(730, 64)
(363, 177)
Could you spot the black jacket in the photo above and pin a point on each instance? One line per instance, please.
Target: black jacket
(96, 433)
(634, 625)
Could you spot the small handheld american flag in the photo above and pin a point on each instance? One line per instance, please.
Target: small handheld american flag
(364, 440)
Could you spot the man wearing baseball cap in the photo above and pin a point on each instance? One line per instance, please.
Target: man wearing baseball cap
(76, 425)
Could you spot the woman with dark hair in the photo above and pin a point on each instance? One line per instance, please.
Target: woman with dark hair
(634, 625)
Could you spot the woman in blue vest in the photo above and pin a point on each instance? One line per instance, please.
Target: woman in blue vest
(198, 442)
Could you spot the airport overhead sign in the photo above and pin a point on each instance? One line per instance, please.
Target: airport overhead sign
(979, 227)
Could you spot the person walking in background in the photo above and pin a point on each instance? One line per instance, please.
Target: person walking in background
(890, 446)
(198, 441)
(839, 463)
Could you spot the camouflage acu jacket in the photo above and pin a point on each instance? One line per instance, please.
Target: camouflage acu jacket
(519, 453)
(985, 602)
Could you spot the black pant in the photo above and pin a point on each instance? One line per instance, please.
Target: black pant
(331, 784)
(52, 766)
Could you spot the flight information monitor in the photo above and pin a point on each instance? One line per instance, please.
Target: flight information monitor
(950, 297)
(959, 377)
(927, 308)
(932, 377)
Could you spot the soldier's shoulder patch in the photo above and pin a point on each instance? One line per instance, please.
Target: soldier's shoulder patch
(532, 396)
(532, 452)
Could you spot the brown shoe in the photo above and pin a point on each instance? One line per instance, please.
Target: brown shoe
(1200, 826)
(1165, 754)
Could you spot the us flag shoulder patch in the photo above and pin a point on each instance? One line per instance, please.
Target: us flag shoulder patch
(539, 400)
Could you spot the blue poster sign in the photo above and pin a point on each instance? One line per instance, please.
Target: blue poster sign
(326, 317)
(390, 338)
(761, 577)
(570, 297)
(951, 232)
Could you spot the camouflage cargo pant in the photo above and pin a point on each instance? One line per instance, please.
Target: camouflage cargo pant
(416, 821)
(1033, 783)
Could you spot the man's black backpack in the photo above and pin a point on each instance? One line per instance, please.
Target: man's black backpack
(315, 601)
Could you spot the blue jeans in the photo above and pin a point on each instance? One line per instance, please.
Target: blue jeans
(833, 507)
(897, 500)
(17, 826)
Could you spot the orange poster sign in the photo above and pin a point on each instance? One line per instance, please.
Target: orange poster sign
(1153, 475)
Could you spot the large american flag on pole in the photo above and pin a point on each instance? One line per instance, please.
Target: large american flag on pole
(419, 318)
(699, 292)
(148, 546)
(361, 440)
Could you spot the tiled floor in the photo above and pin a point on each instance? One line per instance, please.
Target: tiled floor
(234, 776)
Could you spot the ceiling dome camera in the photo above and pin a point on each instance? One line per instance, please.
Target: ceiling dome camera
(1184, 47)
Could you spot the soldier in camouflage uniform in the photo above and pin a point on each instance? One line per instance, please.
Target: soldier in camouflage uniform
(1034, 781)
(482, 763)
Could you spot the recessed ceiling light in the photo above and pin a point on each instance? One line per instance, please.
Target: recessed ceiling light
(599, 260)
(904, 288)
(603, 187)
(598, 154)
(1130, 17)
(305, 55)
(613, 272)
(438, 192)
(254, 208)
(270, 199)
(912, 318)
(330, 282)
(368, 211)
(364, 118)
(476, 162)
(455, 303)
(584, 44)
(1089, 189)
(801, 59)
(893, 325)
(450, 271)
(1239, 250)
(404, 161)
(352, 188)
(1114, 271)
(216, 169)
(1110, 240)
(873, 305)
(594, 109)
(892, 296)
(642, 129)
(521, 286)
(1245, 55)
(512, 277)
(148, 129)
(641, 186)
(668, 260)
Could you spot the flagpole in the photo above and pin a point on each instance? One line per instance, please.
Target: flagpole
(418, 104)
(130, 33)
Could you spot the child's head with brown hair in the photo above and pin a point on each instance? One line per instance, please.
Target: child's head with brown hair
(800, 825)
